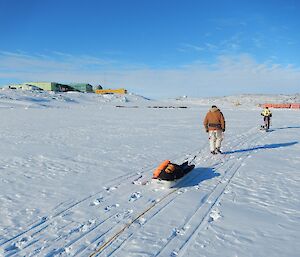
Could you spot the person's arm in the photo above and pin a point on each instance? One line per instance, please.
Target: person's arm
(222, 122)
(205, 123)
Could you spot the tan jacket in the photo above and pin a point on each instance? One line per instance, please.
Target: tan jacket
(214, 120)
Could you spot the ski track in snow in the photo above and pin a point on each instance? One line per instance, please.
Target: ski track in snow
(205, 213)
(183, 234)
(32, 242)
(60, 234)
(126, 217)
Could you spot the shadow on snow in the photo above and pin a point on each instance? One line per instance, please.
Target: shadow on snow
(268, 146)
(202, 174)
(289, 127)
(199, 175)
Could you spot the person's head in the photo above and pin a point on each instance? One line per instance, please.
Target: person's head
(214, 108)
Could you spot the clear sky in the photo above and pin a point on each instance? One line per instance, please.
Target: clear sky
(157, 48)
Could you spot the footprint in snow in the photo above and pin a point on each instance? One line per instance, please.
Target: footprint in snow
(56, 252)
(83, 227)
(214, 215)
(141, 221)
(174, 254)
(182, 191)
(135, 196)
(123, 215)
(109, 207)
(97, 201)
(109, 189)
(18, 245)
(180, 231)
(227, 191)
(87, 225)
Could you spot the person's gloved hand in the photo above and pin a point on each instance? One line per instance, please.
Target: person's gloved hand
(223, 130)
(206, 130)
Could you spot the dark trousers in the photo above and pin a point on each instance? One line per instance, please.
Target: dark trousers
(267, 122)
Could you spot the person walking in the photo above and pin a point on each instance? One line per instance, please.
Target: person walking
(214, 124)
(267, 114)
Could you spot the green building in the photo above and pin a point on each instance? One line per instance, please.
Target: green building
(49, 86)
(54, 86)
(82, 87)
(23, 87)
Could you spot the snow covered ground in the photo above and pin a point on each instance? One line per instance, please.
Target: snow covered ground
(71, 166)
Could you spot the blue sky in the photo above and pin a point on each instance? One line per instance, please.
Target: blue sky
(157, 48)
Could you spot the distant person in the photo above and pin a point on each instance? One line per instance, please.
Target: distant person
(214, 124)
(267, 114)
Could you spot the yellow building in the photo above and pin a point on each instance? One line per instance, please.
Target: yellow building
(121, 91)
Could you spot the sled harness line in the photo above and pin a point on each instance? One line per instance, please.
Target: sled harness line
(112, 238)
(193, 159)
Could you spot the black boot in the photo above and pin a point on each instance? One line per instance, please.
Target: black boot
(218, 150)
(213, 152)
